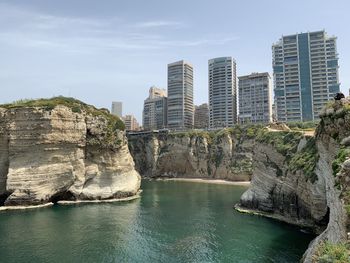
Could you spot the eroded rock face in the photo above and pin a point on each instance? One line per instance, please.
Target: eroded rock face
(46, 155)
(292, 196)
(196, 156)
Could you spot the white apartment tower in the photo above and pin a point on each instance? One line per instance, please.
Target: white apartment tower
(255, 100)
(222, 92)
(305, 74)
(154, 114)
(180, 95)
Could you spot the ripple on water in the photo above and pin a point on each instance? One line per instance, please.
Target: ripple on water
(172, 222)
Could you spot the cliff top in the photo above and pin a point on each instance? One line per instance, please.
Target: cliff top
(75, 105)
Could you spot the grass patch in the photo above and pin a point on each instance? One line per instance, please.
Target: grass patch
(332, 253)
(303, 126)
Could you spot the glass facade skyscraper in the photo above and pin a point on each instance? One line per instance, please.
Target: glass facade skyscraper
(305, 73)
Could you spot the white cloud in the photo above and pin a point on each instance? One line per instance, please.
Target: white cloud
(31, 29)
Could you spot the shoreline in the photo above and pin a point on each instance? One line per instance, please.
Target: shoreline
(130, 198)
(114, 200)
(279, 218)
(203, 180)
(22, 207)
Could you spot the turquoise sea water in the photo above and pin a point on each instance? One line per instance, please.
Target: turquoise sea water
(172, 222)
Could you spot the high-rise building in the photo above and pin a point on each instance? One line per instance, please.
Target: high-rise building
(131, 123)
(201, 116)
(154, 115)
(180, 95)
(117, 108)
(222, 92)
(255, 100)
(305, 73)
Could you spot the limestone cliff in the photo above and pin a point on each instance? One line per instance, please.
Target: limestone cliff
(225, 154)
(62, 149)
(302, 180)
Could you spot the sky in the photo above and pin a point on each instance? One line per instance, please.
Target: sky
(114, 50)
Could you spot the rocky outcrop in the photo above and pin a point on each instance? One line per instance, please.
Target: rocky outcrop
(285, 193)
(221, 155)
(305, 182)
(72, 152)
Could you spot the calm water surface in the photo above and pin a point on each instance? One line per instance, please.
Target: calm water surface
(172, 222)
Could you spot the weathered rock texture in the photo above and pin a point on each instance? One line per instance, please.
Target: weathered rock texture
(290, 194)
(297, 188)
(50, 154)
(221, 155)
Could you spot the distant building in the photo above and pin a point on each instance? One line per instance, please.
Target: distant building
(154, 115)
(201, 116)
(255, 105)
(222, 92)
(131, 123)
(305, 73)
(117, 108)
(180, 95)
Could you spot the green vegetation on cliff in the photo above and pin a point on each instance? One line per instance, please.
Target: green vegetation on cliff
(75, 105)
(109, 135)
(332, 253)
(237, 131)
(303, 126)
(340, 158)
(285, 142)
(306, 160)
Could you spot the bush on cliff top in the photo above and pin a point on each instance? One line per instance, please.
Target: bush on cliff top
(332, 253)
(303, 126)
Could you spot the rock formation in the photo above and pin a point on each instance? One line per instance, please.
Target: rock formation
(306, 183)
(62, 149)
(226, 154)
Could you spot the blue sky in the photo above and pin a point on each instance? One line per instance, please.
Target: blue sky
(100, 51)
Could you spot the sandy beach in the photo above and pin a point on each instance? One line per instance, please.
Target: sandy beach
(207, 181)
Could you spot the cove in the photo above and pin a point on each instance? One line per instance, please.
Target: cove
(173, 221)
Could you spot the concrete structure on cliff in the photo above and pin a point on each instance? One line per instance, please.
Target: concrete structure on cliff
(155, 107)
(222, 92)
(255, 100)
(180, 95)
(305, 73)
(201, 116)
